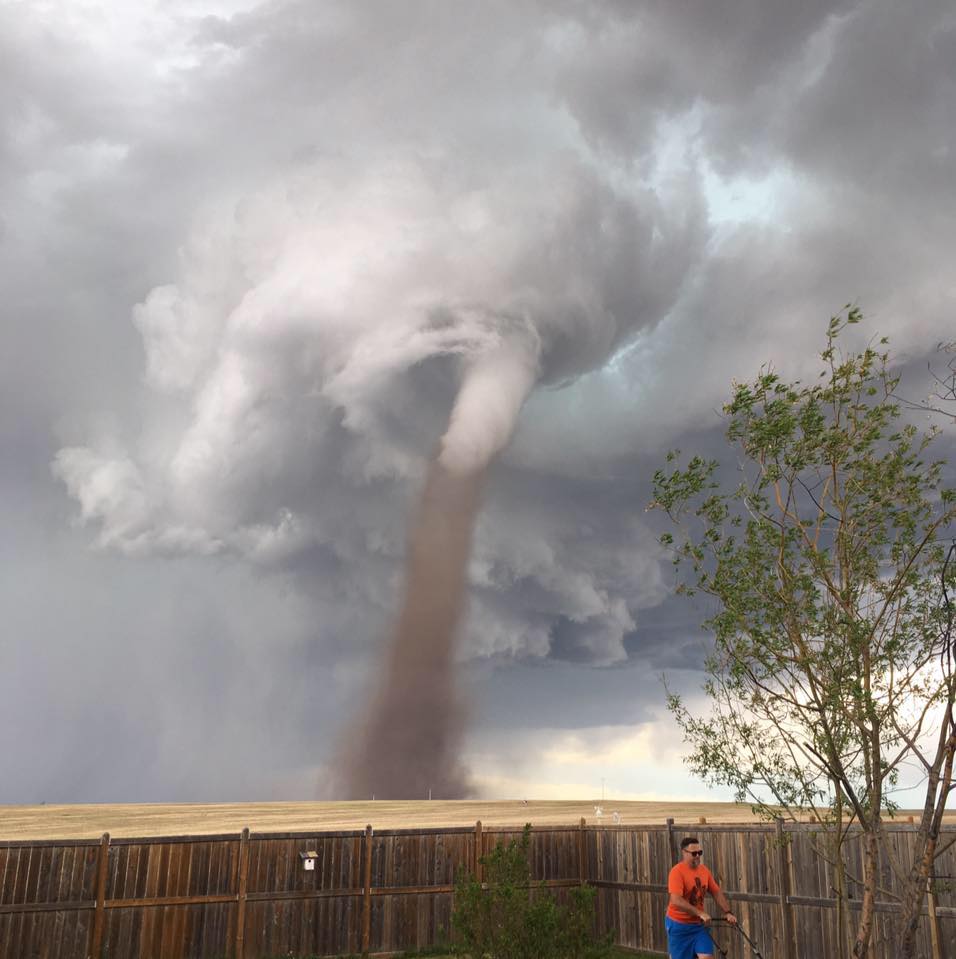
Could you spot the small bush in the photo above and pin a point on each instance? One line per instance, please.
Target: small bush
(511, 917)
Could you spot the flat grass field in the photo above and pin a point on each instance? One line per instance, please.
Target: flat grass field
(90, 821)
(617, 952)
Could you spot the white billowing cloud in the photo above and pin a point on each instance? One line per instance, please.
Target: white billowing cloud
(177, 340)
(109, 491)
(291, 343)
(113, 495)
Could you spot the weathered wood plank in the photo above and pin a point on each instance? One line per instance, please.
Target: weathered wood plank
(96, 938)
(367, 891)
(242, 880)
(63, 907)
(155, 840)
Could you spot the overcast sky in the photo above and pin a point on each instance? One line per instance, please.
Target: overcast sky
(245, 251)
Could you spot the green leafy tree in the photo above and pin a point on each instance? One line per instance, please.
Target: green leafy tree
(509, 916)
(831, 570)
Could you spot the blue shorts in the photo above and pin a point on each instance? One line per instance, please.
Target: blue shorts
(685, 940)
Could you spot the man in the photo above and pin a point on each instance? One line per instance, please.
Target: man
(686, 922)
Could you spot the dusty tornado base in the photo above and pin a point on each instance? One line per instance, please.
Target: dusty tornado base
(407, 747)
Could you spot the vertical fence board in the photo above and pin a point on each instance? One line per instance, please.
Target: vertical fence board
(478, 852)
(96, 941)
(242, 878)
(367, 891)
(784, 885)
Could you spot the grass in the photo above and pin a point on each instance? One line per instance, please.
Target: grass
(440, 953)
(615, 953)
(157, 819)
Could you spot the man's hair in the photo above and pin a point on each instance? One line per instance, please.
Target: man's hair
(684, 843)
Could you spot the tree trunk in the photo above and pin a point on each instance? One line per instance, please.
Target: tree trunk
(839, 871)
(927, 839)
(864, 929)
(913, 902)
(841, 907)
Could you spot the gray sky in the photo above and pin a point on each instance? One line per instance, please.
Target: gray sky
(247, 250)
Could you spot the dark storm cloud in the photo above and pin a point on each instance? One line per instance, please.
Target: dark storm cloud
(627, 65)
(674, 193)
(507, 696)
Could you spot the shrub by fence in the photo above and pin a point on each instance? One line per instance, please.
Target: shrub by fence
(251, 895)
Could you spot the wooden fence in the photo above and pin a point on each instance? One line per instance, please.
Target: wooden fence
(251, 895)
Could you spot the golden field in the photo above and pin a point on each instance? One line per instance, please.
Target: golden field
(179, 819)
(160, 819)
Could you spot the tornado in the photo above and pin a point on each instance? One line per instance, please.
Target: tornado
(408, 746)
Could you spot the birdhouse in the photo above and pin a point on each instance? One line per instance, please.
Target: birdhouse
(308, 859)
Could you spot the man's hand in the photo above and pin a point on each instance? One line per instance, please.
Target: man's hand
(730, 918)
(704, 917)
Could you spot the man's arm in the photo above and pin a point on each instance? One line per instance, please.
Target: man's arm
(723, 904)
(679, 902)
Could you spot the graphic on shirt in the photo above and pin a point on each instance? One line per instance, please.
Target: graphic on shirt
(696, 897)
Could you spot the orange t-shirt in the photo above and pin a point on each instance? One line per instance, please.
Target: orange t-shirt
(691, 884)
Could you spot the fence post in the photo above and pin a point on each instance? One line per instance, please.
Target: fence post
(478, 867)
(786, 907)
(367, 892)
(582, 852)
(99, 917)
(531, 864)
(671, 841)
(242, 882)
(933, 916)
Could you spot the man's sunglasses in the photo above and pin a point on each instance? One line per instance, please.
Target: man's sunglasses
(695, 852)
